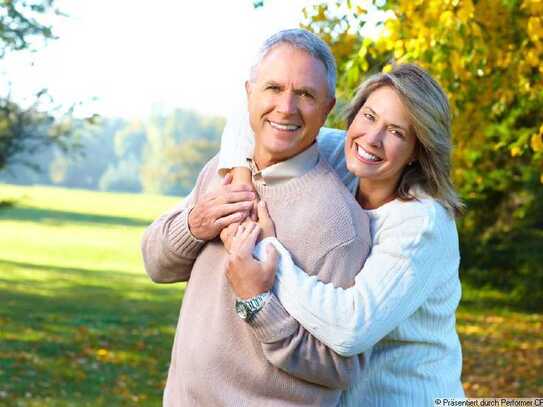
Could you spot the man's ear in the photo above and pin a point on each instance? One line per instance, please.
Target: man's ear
(248, 87)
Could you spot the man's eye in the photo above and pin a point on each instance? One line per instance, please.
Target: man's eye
(306, 94)
(272, 87)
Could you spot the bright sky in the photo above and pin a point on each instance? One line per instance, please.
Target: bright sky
(133, 55)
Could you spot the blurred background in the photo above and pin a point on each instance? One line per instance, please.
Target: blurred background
(108, 111)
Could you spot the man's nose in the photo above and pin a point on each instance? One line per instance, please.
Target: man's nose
(287, 103)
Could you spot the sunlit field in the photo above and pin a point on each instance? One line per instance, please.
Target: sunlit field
(82, 325)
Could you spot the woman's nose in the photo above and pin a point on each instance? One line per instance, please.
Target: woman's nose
(374, 136)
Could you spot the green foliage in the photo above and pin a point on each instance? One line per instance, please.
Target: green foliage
(24, 132)
(488, 56)
(20, 23)
(163, 154)
(178, 146)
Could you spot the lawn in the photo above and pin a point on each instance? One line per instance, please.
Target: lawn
(82, 325)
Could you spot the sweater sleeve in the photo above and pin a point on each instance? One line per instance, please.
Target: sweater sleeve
(168, 247)
(403, 268)
(293, 349)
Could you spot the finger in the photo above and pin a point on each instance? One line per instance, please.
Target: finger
(238, 196)
(232, 229)
(248, 229)
(251, 236)
(254, 214)
(226, 209)
(224, 221)
(227, 179)
(262, 210)
(238, 188)
(272, 257)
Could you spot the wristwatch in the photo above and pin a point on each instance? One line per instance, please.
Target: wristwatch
(247, 309)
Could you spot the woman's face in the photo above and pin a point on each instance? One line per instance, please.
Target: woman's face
(380, 141)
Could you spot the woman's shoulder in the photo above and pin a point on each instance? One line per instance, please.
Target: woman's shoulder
(423, 217)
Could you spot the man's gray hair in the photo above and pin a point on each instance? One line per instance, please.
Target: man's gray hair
(306, 41)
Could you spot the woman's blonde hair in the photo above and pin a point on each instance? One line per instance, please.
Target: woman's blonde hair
(430, 118)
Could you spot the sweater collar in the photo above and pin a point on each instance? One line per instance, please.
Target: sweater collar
(286, 170)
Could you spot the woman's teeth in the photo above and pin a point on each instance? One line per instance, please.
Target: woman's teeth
(364, 154)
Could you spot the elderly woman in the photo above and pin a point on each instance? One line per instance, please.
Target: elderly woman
(395, 159)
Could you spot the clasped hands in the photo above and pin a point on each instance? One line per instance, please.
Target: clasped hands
(230, 212)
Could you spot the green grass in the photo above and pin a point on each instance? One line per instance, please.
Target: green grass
(80, 322)
(82, 325)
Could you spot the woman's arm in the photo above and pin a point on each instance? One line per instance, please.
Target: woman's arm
(237, 141)
(237, 144)
(408, 260)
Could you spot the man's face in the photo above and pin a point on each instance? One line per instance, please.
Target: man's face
(288, 103)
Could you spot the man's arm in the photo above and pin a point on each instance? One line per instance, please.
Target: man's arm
(168, 246)
(285, 343)
(172, 242)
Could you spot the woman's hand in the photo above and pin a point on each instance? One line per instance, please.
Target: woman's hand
(248, 276)
(265, 221)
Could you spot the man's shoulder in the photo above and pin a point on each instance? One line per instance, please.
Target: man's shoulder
(209, 173)
(332, 205)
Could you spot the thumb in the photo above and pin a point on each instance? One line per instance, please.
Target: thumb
(272, 256)
(262, 210)
(227, 179)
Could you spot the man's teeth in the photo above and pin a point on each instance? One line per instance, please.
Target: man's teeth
(284, 127)
(364, 154)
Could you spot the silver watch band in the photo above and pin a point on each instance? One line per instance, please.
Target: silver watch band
(247, 309)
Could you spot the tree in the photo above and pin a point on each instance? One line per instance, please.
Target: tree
(20, 23)
(178, 145)
(25, 131)
(488, 56)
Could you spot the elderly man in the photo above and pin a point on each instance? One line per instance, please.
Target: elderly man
(234, 346)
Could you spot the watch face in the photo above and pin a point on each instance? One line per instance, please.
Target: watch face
(241, 310)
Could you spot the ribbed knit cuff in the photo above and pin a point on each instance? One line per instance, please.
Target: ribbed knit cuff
(273, 323)
(182, 242)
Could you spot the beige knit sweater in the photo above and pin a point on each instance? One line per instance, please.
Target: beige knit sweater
(220, 360)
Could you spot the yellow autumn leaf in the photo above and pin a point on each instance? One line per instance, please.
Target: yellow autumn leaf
(515, 151)
(535, 28)
(537, 142)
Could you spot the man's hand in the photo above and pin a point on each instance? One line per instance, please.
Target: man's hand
(218, 209)
(248, 276)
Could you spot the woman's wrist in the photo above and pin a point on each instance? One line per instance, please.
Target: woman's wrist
(241, 175)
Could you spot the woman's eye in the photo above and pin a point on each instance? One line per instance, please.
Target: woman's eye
(369, 116)
(397, 133)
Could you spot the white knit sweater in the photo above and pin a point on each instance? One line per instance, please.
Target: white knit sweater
(401, 310)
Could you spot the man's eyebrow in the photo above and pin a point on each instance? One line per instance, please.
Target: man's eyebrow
(272, 83)
(308, 89)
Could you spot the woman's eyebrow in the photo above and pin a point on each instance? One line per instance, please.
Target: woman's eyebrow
(390, 124)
